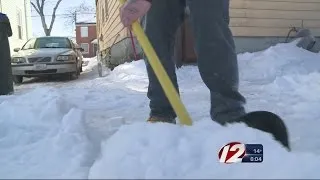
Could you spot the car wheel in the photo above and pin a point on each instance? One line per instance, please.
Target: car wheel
(17, 79)
(74, 75)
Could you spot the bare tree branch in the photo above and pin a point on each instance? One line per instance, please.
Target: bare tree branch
(39, 6)
(54, 15)
(35, 7)
(73, 11)
(42, 4)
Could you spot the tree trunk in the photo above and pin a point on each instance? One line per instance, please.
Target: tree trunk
(39, 7)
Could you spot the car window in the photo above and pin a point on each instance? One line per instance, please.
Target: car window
(52, 42)
(29, 44)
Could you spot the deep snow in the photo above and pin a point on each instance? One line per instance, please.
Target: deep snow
(54, 129)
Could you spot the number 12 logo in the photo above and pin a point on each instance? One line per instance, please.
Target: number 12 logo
(232, 153)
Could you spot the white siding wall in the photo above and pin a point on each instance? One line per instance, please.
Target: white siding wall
(11, 8)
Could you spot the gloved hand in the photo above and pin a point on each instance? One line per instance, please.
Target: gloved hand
(132, 10)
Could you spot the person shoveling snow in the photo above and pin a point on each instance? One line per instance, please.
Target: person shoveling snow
(217, 61)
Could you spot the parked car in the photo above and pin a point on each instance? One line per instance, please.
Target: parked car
(45, 56)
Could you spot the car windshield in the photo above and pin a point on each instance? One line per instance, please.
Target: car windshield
(48, 42)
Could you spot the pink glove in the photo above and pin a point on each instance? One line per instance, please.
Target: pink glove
(132, 10)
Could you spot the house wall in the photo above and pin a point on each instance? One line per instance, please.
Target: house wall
(110, 29)
(255, 24)
(258, 24)
(273, 18)
(92, 34)
(11, 8)
(114, 40)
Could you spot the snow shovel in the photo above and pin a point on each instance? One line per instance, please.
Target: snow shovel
(262, 120)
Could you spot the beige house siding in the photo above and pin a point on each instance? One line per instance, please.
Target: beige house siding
(247, 18)
(273, 17)
(256, 24)
(115, 45)
(19, 13)
(110, 30)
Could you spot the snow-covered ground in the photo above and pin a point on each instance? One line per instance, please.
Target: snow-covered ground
(95, 127)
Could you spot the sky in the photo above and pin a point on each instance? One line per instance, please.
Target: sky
(60, 27)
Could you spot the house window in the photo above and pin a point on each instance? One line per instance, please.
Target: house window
(19, 23)
(84, 31)
(85, 46)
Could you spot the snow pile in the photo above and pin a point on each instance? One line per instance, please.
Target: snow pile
(277, 61)
(161, 151)
(90, 64)
(132, 75)
(42, 136)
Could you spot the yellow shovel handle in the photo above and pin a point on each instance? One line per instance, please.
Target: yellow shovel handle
(161, 74)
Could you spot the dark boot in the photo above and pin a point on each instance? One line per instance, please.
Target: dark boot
(155, 119)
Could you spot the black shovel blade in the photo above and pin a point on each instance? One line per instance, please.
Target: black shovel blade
(270, 123)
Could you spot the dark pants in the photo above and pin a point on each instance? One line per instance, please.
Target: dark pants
(217, 60)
